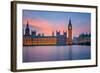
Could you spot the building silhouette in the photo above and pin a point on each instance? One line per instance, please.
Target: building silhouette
(82, 39)
(69, 33)
(31, 38)
(61, 39)
(27, 30)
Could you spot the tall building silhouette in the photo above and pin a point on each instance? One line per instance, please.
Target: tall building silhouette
(69, 33)
(27, 30)
(27, 36)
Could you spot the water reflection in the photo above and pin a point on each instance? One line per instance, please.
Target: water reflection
(55, 53)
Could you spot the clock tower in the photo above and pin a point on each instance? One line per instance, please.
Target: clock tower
(69, 33)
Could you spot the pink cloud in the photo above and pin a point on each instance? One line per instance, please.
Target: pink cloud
(44, 26)
(40, 24)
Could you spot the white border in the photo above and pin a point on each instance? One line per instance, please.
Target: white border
(21, 65)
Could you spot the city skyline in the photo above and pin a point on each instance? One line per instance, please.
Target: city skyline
(55, 36)
(34, 39)
(47, 22)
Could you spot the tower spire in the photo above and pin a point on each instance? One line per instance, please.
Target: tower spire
(27, 24)
(27, 30)
(70, 24)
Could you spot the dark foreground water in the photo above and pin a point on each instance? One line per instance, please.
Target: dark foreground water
(55, 53)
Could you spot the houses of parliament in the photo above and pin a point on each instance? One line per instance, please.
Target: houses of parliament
(34, 39)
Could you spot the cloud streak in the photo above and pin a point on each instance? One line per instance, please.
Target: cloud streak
(48, 21)
(43, 26)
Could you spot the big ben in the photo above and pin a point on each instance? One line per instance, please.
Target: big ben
(69, 33)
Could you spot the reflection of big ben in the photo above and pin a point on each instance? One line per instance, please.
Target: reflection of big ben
(69, 33)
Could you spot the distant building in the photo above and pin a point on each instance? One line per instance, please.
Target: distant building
(34, 39)
(33, 33)
(75, 41)
(82, 39)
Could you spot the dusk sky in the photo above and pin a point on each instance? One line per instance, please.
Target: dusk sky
(48, 21)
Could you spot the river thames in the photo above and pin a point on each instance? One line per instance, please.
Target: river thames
(56, 53)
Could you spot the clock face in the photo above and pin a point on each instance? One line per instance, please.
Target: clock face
(70, 27)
